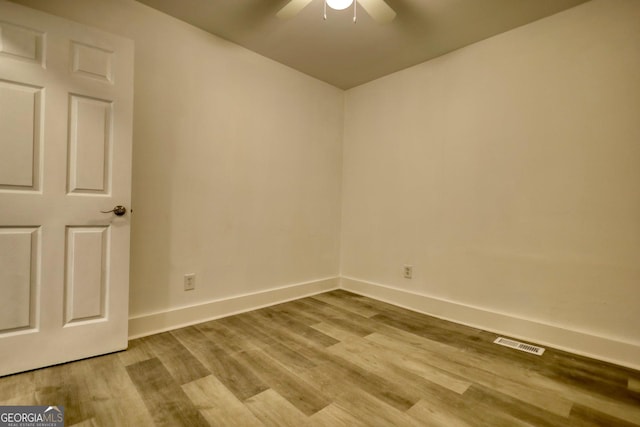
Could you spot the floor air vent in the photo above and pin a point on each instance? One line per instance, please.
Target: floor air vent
(533, 349)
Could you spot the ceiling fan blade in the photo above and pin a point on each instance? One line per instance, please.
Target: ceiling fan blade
(378, 10)
(292, 8)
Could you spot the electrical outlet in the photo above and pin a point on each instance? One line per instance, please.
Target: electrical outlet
(189, 281)
(407, 271)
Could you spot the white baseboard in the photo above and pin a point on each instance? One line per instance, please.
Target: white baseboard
(154, 323)
(578, 342)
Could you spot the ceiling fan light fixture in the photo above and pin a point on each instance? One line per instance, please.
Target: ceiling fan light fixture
(339, 4)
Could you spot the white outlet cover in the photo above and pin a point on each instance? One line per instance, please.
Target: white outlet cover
(407, 271)
(189, 282)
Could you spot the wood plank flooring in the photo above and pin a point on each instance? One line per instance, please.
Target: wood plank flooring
(335, 359)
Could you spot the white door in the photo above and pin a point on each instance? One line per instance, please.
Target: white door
(66, 95)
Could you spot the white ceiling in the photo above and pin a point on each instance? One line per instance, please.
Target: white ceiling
(346, 54)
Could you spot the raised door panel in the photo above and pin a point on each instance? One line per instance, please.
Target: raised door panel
(21, 43)
(92, 61)
(19, 274)
(86, 273)
(20, 130)
(90, 138)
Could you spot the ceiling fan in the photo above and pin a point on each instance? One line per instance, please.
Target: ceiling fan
(377, 9)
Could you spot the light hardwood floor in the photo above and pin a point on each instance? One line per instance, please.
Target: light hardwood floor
(335, 359)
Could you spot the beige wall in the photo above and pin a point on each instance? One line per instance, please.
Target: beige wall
(508, 174)
(237, 162)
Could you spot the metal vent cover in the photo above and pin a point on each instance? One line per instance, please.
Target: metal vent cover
(528, 348)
